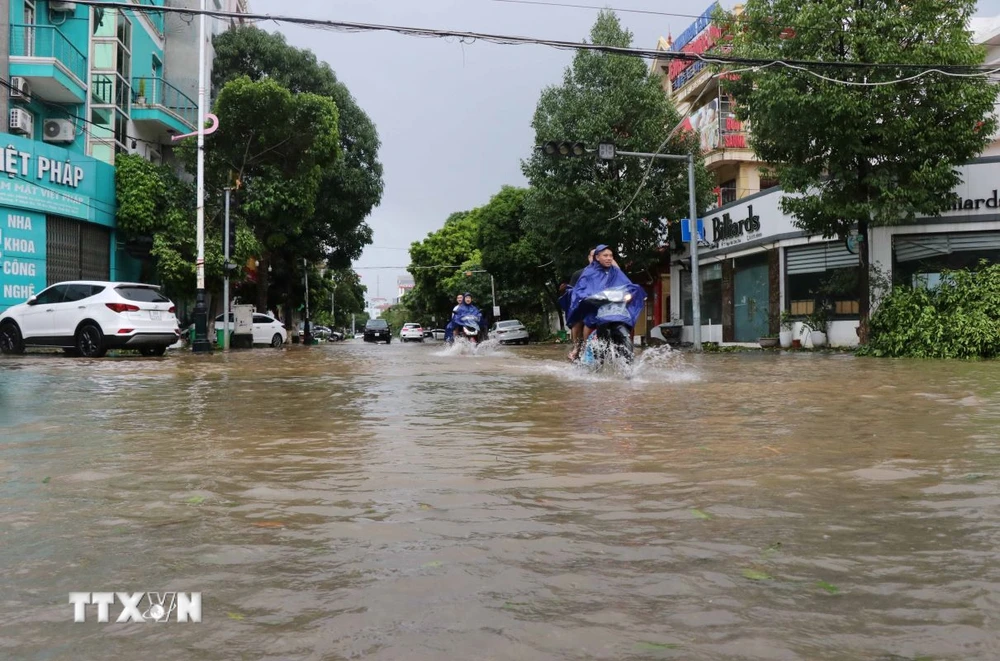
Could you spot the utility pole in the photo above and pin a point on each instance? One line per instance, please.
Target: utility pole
(333, 307)
(307, 335)
(225, 277)
(201, 343)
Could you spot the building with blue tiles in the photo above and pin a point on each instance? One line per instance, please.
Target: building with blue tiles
(80, 85)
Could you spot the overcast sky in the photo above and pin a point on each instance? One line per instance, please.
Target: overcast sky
(454, 119)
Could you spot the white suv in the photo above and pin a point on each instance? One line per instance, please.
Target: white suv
(411, 331)
(87, 318)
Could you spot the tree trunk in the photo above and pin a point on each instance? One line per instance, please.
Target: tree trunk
(864, 282)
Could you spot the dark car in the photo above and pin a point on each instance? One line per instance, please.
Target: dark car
(377, 330)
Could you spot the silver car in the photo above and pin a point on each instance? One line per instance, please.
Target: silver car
(511, 331)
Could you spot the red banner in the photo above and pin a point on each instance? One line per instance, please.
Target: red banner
(702, 44)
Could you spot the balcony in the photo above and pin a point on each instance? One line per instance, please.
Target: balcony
(733, 145)
(160, 107)
(55, 69)
(154, 17)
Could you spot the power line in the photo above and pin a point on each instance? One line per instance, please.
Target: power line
(471, 37)
(568, 5)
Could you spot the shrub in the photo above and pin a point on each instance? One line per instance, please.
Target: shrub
(958, 319)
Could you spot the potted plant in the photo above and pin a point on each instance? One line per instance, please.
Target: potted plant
(816, 324)
(785, 336)
(140, 97)
(767, 341)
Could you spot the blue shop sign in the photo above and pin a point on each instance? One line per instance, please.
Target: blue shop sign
(39, 177)
(22, 255)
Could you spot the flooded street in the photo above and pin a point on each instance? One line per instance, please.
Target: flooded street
(412, 502)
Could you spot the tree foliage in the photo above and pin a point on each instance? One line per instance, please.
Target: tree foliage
(154, 203)
(859, 155)
(439, 262)
(352, 185)
(279, 165)
(576, 203)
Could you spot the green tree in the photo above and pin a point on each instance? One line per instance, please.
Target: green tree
(351, 186)
(280, 166)
(438, 264)
(862, 152)
(514, 253)
(156, 208)
(576, 203)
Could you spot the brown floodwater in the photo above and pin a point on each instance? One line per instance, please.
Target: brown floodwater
(354, 501)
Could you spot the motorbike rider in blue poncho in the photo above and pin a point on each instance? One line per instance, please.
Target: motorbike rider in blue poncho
(465, 309)
(449, 330)
(603, 273)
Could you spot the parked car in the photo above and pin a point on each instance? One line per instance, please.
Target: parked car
(377, 330)
(266, 329)
(87, 318)
(438, 333)
(411, 331)
(511, 331)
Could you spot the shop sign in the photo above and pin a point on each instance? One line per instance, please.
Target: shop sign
(49, 179)
(22, 256)
(755, 219)
(977, 193)
(728, 231)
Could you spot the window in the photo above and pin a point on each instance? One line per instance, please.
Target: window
(376, 323)
(111, 88)
(711, 294)
(920, 260)
(142, 294)
(727, 192)
(52, 295)
(29, 32)
(261, 319)
(822, 272)
(76, 293)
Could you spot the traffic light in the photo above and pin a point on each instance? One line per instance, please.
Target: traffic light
(564, 149)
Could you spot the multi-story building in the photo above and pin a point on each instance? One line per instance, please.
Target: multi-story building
(84, 84)
(404, 285)
(708, 111)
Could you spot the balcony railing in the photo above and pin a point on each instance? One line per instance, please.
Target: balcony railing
(155, 17)
(159, 92)
(47, 41)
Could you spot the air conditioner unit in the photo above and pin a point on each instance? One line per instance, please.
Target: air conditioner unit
(58, 130)
(21, 122)
(55, 5)
(19, 88)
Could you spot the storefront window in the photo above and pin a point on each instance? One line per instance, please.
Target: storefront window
(825, 272)
(711, 294)
(920, 260)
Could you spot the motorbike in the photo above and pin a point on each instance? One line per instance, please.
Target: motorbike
(613, 323)
(469, 328)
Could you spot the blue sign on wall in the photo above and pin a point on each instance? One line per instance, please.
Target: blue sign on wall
(22, 255)
(686, 230)
(39, 177)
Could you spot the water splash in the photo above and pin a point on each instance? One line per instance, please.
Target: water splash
(462, 347)
(651, 365)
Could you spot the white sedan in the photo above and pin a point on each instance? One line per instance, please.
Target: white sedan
(509, 332)
(266, 329)
(88, 317)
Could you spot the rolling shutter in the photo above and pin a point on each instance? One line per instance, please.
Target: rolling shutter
(916, 247)
(819, 257)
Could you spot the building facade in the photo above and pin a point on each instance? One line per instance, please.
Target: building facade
(83, 85)
(758, 265)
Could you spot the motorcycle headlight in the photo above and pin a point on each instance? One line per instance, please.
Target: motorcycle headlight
(628, 297)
